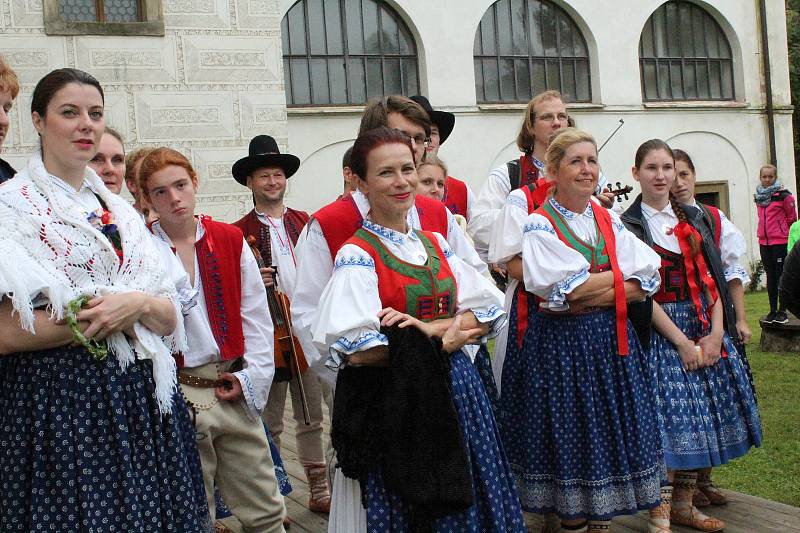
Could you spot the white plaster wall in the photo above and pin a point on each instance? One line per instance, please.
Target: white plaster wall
(210, 84)
(728, 141)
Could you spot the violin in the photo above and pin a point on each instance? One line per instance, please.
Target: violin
(289, 357)
(621, 192)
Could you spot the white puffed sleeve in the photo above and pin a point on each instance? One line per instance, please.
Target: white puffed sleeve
(476, 293)
(550, 268)
(506, 241)
(732, 248)
(636, 259)
(347, 320)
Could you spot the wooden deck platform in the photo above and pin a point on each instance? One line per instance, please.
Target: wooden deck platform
(745, 514)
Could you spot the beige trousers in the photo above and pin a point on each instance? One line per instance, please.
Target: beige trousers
(234, 451)
(309, 438)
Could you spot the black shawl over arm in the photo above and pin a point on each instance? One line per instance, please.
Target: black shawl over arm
(401, 420)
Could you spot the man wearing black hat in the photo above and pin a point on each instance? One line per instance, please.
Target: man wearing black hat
(458, 196)
(274, 229)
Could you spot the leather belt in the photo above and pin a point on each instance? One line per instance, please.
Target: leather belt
(203, 383)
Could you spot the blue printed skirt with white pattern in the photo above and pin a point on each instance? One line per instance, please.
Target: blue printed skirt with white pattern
(483, 362)
(580, 419)
(707, 416)
(83, 447)
(496, 507)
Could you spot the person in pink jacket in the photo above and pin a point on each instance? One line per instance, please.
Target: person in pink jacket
(776, 210)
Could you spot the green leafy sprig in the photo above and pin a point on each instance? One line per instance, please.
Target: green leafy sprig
(98, 350)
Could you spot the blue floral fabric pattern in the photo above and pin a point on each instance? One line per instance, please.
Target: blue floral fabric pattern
(83, 447)
(579, 421)
(497, 505)
(708, 416)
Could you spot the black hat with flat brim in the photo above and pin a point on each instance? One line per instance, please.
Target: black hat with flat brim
(264, 152)
(444, 121)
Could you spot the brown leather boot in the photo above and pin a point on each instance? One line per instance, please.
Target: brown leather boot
(707, 488)
(683, 512)
(659, 516)
(319, 499)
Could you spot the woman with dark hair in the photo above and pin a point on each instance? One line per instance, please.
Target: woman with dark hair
(706, 407)
(732, 247)
(89, 441)
(386, 275)
(777, 211)
(583, 440)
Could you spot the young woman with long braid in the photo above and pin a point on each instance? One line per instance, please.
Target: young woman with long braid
(706, 407)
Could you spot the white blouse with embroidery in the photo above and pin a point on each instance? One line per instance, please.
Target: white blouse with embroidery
(732, 244)
(347, 321)
(552, 270)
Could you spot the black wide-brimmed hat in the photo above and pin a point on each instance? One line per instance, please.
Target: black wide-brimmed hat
(444, 121)
(264, 152)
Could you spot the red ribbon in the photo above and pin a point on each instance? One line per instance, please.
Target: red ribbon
(522, 312)
(620, 302)
(695, 266)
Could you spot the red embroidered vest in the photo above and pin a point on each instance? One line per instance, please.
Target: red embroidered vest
(219, 254)
(427, 292)
(456, 196)
(340, 220)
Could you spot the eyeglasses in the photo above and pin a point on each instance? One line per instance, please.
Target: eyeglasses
(550, 117)
(418, 139)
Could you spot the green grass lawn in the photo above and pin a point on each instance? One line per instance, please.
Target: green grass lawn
(772, 471)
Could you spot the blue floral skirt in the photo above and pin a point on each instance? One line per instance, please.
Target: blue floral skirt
(483, 362)
(580, 422)
(707, 416)
(496, 507)
(84, 448)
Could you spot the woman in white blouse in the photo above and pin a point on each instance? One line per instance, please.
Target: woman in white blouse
(706, 407)
(588, 446)
(732, 248)
(390, 274)
(88, 440)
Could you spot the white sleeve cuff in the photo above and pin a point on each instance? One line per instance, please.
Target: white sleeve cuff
(557, 301)
(343, 347)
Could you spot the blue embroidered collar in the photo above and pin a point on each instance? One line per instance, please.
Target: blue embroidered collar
(389, 234)
(569, 215)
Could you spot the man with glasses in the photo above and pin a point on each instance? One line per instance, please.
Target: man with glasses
(545, 115)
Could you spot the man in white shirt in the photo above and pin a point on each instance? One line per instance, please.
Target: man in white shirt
(227, 370)
(273, 229)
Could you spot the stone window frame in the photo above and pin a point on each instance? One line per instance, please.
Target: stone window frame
(153, 23)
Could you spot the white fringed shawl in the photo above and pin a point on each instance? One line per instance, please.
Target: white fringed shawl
(48, 248)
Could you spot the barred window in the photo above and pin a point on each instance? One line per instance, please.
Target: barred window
(523, 47)
(100, 10)
(685, 55)
(345, 52)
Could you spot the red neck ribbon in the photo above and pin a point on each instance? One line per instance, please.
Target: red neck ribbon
(695, 266)
(620, 302)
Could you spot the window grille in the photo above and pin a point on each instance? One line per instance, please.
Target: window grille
(339, 52)
(523, 47)
(685, 55)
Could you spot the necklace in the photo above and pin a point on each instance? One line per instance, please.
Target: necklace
(284, 245)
